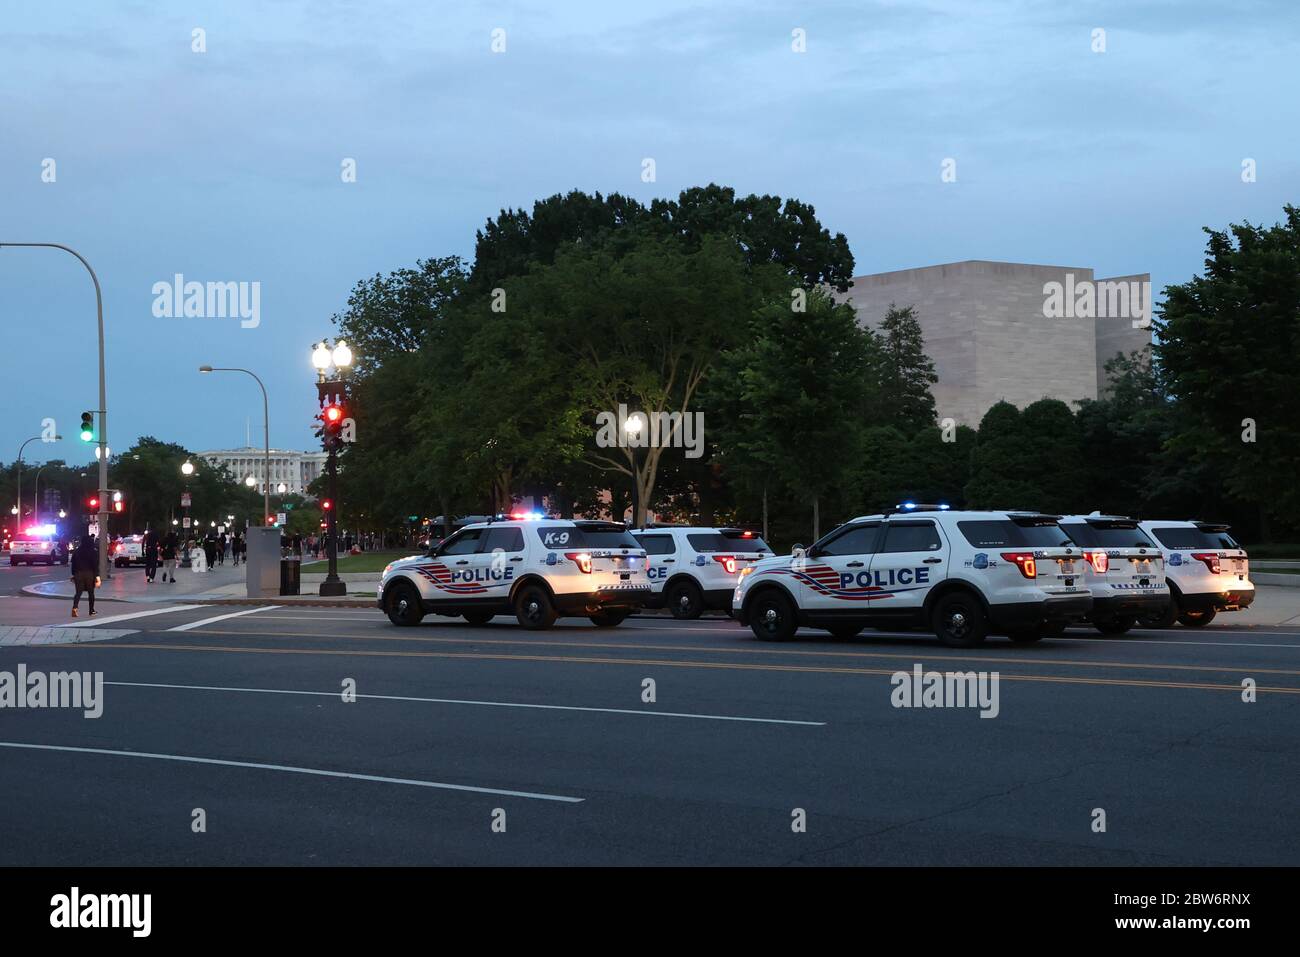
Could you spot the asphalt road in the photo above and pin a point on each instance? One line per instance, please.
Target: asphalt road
(453, 722)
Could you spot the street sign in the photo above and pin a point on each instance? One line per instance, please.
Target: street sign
(185, 522)
(281, 518)
(93, 530)
(185, 502)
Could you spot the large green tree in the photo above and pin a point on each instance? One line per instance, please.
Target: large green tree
(906, 372)
(1228, 344)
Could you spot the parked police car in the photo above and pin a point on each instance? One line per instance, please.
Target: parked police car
(1125, 570)
(692, 568)
(38, 544)
(536, 569)
(1208, 572)
(963, 574)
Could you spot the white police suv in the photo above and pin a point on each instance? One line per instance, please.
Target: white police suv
(537, 569)
(1208, 572)
(692, 568)
(963, 573)
(1125, 570)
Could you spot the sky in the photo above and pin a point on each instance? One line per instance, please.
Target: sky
(227, 165)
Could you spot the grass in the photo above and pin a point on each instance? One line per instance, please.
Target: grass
(365, 562)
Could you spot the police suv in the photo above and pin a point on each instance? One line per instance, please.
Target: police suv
(964, 574)
(1207, 570)
(692, 568)
(38, 544)
(537, 569)
(1125, 570)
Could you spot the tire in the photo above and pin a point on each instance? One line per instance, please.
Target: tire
(684, 601)
(403, 606)
(479, 617)
(533, 608)
(1197, 619)
(959, 620)
(844, 632)
(772, 617)
(1163, 619)
(1117, 625)
(608, 618)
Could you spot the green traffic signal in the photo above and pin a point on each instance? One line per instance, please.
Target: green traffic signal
(87, 427)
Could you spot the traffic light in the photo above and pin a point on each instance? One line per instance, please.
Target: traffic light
(326, 504)
(117, 506)
(333, 417)
(87, 427)
(92, 503)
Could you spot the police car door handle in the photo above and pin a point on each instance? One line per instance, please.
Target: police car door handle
(855, 564)
(667, 560)
(463, 561)
(517, 558)
(932, 561)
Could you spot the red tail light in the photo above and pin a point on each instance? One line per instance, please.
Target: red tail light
(1211, 560)
(1024, 561)
(1100, 561)
(581, 559)
(726, 561)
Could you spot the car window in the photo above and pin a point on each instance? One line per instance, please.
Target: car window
(559, 536)
(506, 538)
(462, 543)
(1003, 533)
(911, 537)
(1106, 535)
(1188, 538)
(732, 542)
(656, 544)
(856, 540)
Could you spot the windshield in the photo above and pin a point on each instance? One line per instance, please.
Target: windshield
(1175, 537)
(729, 540)
(1106, 535)
(1007, 533)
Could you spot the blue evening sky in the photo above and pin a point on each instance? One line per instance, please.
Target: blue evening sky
(225, 165)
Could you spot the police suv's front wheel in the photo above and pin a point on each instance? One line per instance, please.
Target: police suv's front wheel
(772, 617)
(402, 604)
(959, 621)
(533, 608)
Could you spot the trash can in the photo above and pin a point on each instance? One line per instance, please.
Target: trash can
(291, 575)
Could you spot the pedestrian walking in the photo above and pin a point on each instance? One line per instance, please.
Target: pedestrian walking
(236, 545)
(85, 573)
(221, 549)
(210, 550)
(150, 546)
(168, 548)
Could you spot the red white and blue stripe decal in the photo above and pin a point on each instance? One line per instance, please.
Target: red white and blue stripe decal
(440, 576)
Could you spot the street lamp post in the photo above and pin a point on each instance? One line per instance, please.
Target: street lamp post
(103, 400)
(19, 496)
(334, 391)
(633, 427)
(266, 436)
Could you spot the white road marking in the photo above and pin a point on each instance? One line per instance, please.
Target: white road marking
(488, 704)
(234, 614)
(95, 622)
(188, 759)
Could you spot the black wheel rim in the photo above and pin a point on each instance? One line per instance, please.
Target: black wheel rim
(770, 618)
(532, 607)
(956, 621)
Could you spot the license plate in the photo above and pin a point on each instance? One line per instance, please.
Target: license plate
(1067, 567)
(1239, 566)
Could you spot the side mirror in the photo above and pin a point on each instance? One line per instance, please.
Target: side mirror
(799, 551)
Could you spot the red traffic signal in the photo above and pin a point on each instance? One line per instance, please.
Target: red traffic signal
(332, 415)
(326, 504)
(93, 503)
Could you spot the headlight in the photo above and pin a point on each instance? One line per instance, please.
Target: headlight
(387, 568)
(748, 570)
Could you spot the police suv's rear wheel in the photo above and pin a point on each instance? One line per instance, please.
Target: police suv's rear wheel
(533, 608)
(1197, 619)
(479, 617)
(1161, 619)
(684, 601)
(1116, 625)
(403, 605)
(772, 617)
(959, 621)
(609, 618)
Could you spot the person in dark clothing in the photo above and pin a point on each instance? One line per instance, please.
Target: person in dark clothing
(221, 549)
(210, 550)
(236, 546)
(85, 573)
(169, 545)
(150, 548)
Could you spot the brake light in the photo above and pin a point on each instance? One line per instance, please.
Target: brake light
(1100, 561)
(1211, 560)
(581, 559)
(1024, 561)
(726, 561)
